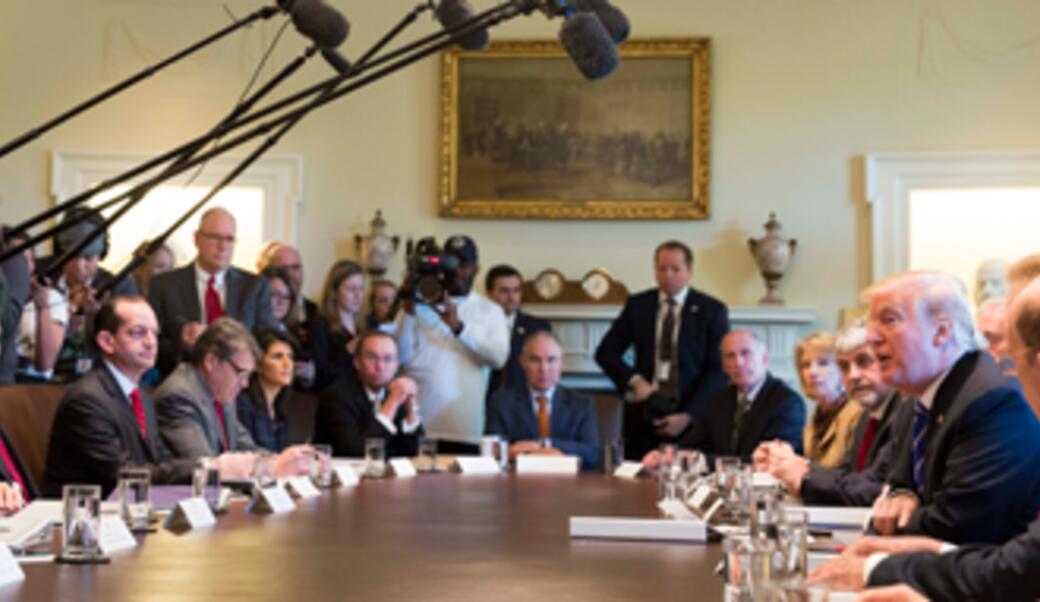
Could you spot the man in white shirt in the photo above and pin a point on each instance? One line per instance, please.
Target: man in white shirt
(449, 349)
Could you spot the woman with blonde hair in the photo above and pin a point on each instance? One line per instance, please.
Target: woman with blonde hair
(829, 434)
(337, 327)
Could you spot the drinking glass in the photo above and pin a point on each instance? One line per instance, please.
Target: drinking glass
(205, 483)
(321, 467)
(427, 455)
(375, 458)
(613, 455)
(81, 505)
(747, 563)
(135, 497)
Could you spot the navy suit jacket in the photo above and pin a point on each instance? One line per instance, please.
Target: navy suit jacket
(573, 427)
(777, 413)
(95, 433)
(843, 486)
(512, 374)
(175, 299)
(705, 320)
(981, 482)
(1008, 573)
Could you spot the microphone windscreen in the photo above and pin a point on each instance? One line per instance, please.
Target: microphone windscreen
(319, 22)
(454, 12)
(611, 16)
(589, 46)
(336, 60)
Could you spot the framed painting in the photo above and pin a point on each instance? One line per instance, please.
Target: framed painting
(525, 136)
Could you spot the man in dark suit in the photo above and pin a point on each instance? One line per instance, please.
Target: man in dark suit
(542, 416)
(756, 407)
(504, 286)
(676, 331)
(104, 422)
(187, 299)
(370, 403)
(860, 478)
(973, 572)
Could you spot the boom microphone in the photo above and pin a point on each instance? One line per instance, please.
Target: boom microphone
(336, 60)
(317, 21)
(455, 12)
(613, 19)
(589, 45)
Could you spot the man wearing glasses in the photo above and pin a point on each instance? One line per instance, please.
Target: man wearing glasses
(195, 405)
(189, 298)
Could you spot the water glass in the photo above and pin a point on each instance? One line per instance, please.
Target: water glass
(81, 506)
(747, 563)
(792, 542)
(613, 455)
(321, 467)
(205, 483)
(263, 469)
(794, 591)
(493, 446)
(375, 458)
(135, 497)
(667, 472)
(427, 455)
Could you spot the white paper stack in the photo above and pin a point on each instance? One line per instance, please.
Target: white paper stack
(639, 529)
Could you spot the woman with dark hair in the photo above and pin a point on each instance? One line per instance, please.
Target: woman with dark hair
(334, 334)
(283, 302)
(261, 405)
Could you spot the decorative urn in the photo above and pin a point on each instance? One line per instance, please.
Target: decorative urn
(772, 253)
(376, 248)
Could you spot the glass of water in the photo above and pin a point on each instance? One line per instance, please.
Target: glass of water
(135, 497)
(375, 458)
(667, 472)
(321, 467)
(81, 506)
(427, 455)
(205, 483)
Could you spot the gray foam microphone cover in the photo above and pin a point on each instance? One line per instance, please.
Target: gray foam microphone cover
(454, 12)
(589, 45)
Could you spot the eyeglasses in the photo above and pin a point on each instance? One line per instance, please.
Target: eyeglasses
(280, 297)
(240, 373)
(226, 238)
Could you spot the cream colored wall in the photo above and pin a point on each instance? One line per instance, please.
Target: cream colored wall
(802, 88)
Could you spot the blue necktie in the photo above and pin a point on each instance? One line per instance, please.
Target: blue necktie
(919, 432)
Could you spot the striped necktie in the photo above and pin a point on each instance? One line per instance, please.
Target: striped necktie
(919, 433)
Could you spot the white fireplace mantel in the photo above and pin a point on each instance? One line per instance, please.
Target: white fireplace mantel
(581, 328)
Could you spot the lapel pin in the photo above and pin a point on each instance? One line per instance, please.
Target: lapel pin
(939, 420)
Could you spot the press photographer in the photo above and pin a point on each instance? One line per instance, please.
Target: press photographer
(449, 338)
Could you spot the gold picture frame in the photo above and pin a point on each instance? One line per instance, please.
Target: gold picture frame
(524, 136)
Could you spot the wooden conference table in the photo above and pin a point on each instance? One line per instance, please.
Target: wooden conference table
(433, 537)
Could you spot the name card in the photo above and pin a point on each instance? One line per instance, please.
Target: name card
(192, 513)
(675, 509)
(344, 476)
(477, 465)
(402, 468)
(10, 570)
(301, 487)
(638, 529)
(115, 536)
(271, 500)
(837, 517)
(535, 464)
(764, 480)
(628, 469)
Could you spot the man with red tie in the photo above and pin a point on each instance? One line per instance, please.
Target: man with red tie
(195, 405)
(858, 481)
(188, 299)
(104, 422)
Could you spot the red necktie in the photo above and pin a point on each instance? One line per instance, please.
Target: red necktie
(214, 309)
(12, 469)
(135, 400)
(222, 425)
(864, 446)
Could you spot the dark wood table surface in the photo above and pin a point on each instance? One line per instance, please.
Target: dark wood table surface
(433, 537)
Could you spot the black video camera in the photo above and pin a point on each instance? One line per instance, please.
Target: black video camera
(430, 272)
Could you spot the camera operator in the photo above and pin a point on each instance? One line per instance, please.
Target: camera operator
(449, 339)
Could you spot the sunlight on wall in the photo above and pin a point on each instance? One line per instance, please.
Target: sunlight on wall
(166, 204)
(954, 230)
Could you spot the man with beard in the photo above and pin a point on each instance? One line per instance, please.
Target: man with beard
(449, 348)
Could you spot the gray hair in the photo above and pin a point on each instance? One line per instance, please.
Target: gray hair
(852, 337)
(539, 334)
(223, 338)
(937, 295)
(755, 339)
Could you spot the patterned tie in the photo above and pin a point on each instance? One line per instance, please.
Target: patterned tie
(919, 432)
(214, 309)
(743, 403)
(138, 406)
(221, 424)
(543, 417)
(864, 445)
(666, 352)
(12, 469)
